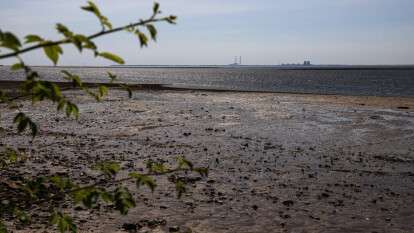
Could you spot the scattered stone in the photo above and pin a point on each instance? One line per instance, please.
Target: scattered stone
(130, 227)
(255, 207)
(174, 229)
(403, 107)
(375, 117)
(288, 203)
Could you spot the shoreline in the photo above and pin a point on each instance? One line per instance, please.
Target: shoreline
(279, 67)
(7, 84)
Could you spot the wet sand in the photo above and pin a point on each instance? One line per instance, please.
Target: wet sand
(278, 162)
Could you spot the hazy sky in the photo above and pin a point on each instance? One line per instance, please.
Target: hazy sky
(214, 31)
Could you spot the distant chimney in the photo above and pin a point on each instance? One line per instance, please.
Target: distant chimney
(240, 60)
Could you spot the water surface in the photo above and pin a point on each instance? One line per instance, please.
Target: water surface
(362, 81)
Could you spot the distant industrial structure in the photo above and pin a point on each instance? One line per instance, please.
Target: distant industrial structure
(237, 63)
(305, 63)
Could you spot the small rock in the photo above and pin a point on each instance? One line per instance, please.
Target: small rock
(375, 117)
(403, 107)
(130, 227)
(174, 229)
(255, 207)
(288, 203)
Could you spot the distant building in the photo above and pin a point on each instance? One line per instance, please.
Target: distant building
(236, 63)
(305, 63)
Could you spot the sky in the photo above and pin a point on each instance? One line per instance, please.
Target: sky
(213, 32)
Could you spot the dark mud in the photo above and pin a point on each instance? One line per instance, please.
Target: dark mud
(278, 163)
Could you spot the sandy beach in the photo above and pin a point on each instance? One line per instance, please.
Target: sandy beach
(278, 162)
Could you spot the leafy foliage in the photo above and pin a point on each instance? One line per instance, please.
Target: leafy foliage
(112, 57)
(30, 194)
(17, 66)
(109, 169)
(53, 52)
(3, 228)
(144, 180)
(112, 77)
(63, 183)
(10, 156)
(123, 200)
(91, 7)
(63, 222)
(33, 38)
(9, 40)
(23, 122)
(180, 187)
(153, 31)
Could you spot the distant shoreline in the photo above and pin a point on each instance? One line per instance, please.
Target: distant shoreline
(279, 67)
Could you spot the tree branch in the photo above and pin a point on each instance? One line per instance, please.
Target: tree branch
(93, 36)
(178, 169)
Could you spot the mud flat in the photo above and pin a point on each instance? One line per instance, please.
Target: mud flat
(278, 162)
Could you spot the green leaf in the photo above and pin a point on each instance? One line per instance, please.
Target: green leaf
(23, 121)
(61, 104)
(127, 88)
(76, 81)
(155, 167)
(156, 8)
(103, 90)
(143, 39)
(2, 96)
(36, 188)
(153, 31)
(63, 183)
(143, 180)
(19, 119)
(63, 222)
(123, 200)
(33, 128)
(17, 66)
(22, 216)
(78, 43)
(81, 41)
(108, 168)
(171, 19)
(107, 197)
(180, 188)
(91, 7)
(3, 228)
(53, 52)
(79, 195)
(33, 38)
(183, 163)
(202, 171)
(91, 199)
(111, 57)
(9, 156)
(111, 76)
(10, 41)
(62, 29)
(45, 89)
(71, 109)
(88, 196)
